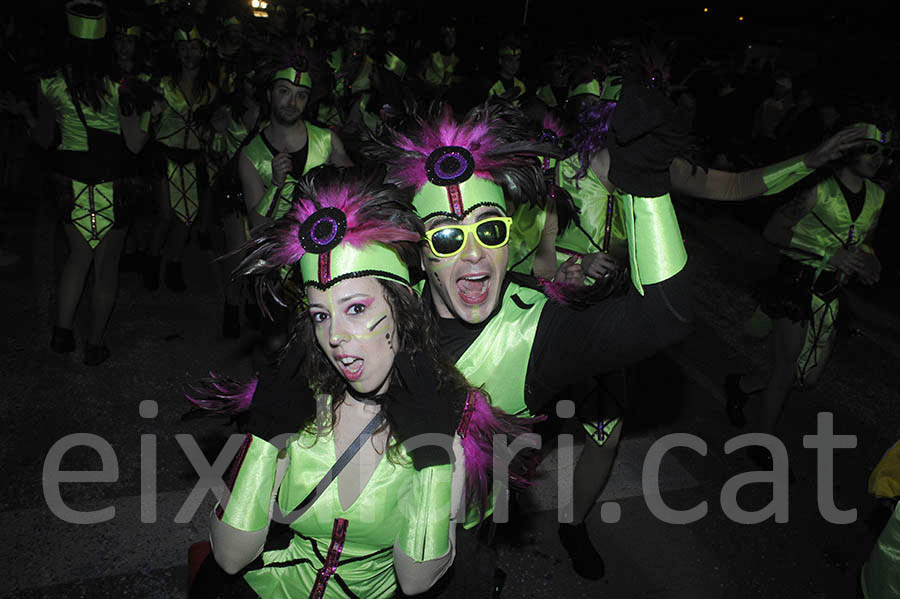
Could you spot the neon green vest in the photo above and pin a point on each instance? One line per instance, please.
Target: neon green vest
(176, 126)
(591, 200)
(498, 89)
(824, 237)
(498, 359)
(319, 149)
(440, 69)
(360, 83)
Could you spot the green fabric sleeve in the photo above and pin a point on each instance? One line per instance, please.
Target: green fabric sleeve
(782, 175)
(426, 535)
(655, 247)
(253, 476)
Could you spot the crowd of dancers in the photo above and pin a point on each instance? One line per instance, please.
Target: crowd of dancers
(436, 252)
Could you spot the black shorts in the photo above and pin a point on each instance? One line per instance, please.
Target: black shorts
(788, 293)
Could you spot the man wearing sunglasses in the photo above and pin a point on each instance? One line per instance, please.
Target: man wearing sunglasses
(501, 329)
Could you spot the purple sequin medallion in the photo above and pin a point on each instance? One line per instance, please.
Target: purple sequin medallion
(449, 165)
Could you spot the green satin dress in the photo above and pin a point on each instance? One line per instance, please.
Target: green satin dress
(93, 213)
(349, 553)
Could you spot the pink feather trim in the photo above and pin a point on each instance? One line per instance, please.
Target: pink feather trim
(479, 424)
(561, 293)
(553, 124)
(287, 248)
(221, 394)
(475, 137)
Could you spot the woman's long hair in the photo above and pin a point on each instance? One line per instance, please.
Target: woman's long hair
(87, 70)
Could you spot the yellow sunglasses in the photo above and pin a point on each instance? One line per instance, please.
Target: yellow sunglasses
(450, 240)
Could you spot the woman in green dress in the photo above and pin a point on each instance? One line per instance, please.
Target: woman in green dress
(373, 364)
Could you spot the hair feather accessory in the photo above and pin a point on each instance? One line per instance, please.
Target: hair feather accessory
(491, 144)
(342, 223)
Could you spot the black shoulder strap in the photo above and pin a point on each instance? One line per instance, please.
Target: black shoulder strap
(336, 469)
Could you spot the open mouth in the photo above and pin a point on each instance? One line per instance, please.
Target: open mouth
(351, 367)
(474, 288)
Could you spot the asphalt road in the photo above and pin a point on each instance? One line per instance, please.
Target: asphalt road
(161, 340)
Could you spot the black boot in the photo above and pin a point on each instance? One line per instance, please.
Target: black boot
(94, 355)
(585, 559)
(151, 272)
(62, 341)
(174, 277)
(231, 322)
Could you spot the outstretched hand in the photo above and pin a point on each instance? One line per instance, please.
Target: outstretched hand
(835, 146)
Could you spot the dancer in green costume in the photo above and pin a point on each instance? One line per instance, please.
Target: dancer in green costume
(289, 145)
(93, 120)
(825, 238)
(391, 515)
(596, 233)
(501, 329)
(189, 93)
(439, 69)
(507, 85)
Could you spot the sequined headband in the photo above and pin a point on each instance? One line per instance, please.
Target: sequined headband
(451, 189)
(328, 261)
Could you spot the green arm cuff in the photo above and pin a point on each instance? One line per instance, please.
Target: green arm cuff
(655, 247)
(254, 478)
(782, 175)
(426, 535)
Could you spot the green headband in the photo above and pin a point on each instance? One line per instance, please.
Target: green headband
(591, 88)
(509, 51)
(188, 36)
(459, 199)
(394, 64)
(300, 78)
(83, 26)
(875, 134)
(345, 261)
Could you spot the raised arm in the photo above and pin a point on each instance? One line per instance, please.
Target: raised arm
(726, 186)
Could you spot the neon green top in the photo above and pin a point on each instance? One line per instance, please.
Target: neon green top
(360, 83)
(545, 94)
(261, 153)
(73, 133)
(498, 89)
(828, 226)
(440, 69)
(498, 359)
(591, 199)
(177, 128)
(398, 503)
